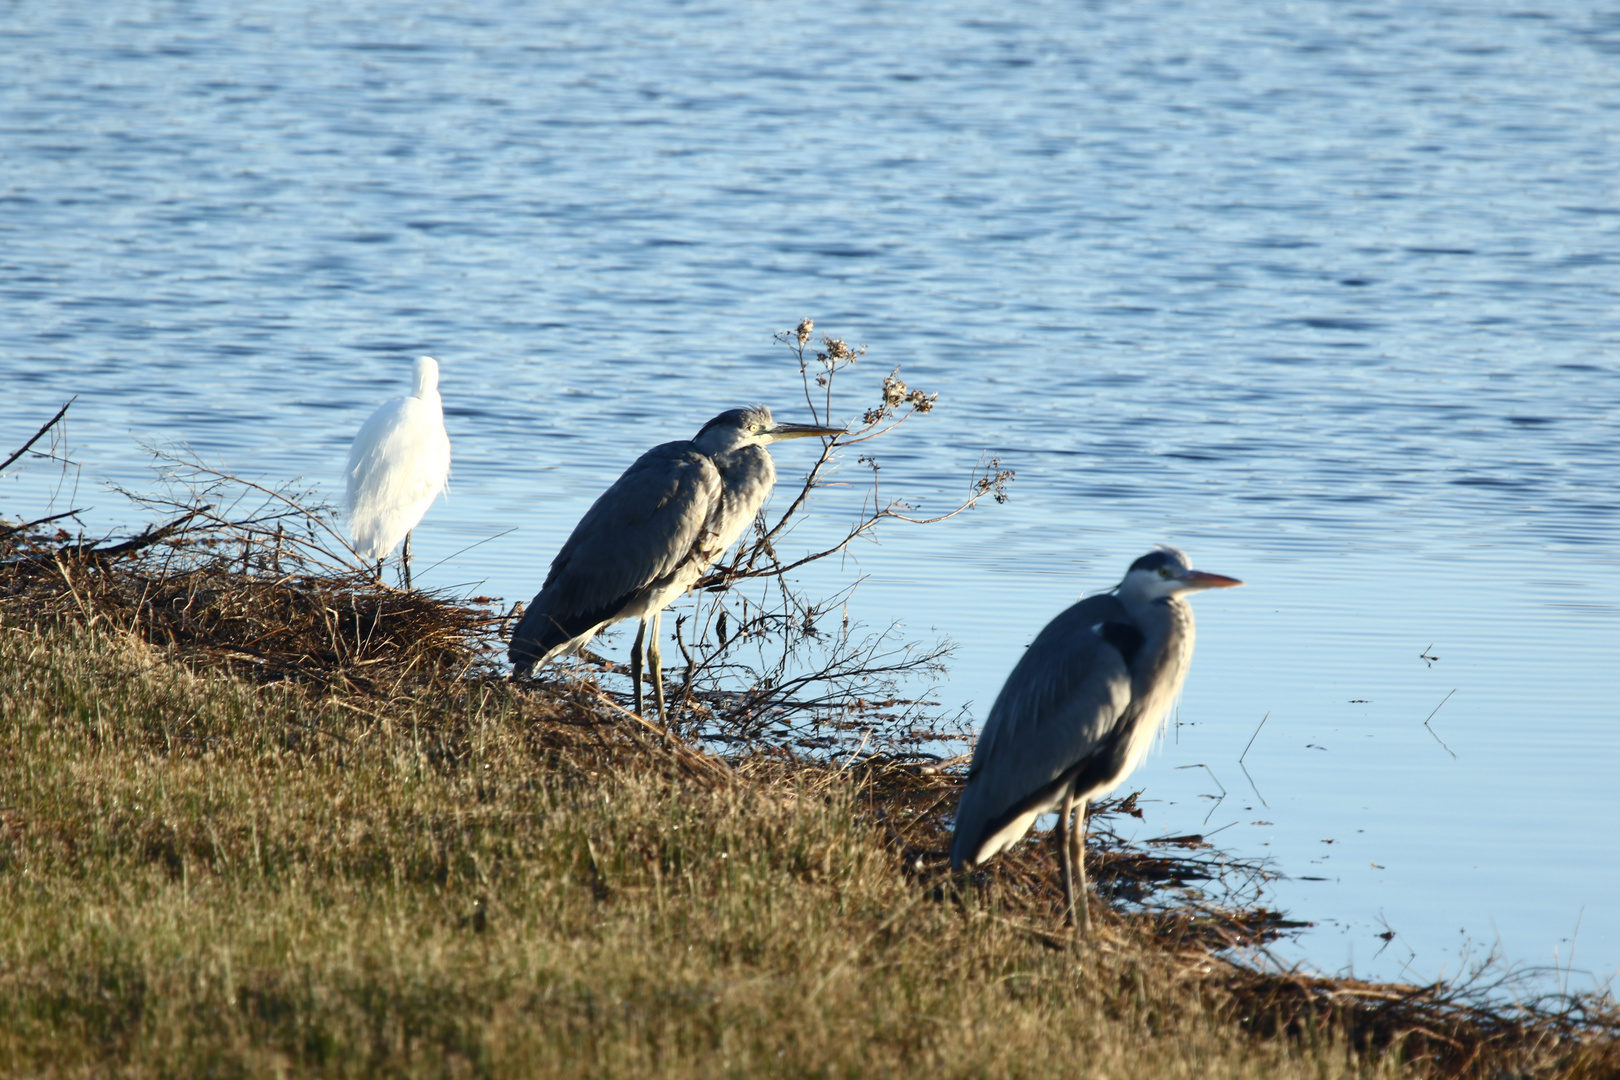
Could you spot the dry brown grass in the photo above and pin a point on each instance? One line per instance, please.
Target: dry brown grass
(260, 822)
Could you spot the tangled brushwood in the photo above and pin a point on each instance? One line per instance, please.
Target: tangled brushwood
(248, 590)
(766, 659)
(247, 587)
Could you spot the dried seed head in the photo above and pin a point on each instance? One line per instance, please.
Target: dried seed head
(804, 329)
(920, 401)
(993, 481)
(837, 351)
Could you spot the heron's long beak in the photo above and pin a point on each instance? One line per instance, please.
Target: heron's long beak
(800, 431)
(1197, 579)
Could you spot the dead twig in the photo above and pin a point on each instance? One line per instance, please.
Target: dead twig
(38, 435)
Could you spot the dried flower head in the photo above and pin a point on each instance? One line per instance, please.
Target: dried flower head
(836, 351)
(993, 481)
(894, 391)
(804, 329)
(897, 393)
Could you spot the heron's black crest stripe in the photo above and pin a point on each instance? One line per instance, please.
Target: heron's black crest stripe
(721, 419)
(1156, 560)
(734, 417)
(1124, 637)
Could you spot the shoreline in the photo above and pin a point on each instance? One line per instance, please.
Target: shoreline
(256, 784)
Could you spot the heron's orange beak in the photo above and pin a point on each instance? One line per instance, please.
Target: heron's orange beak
(780, 431)
(1197, 579)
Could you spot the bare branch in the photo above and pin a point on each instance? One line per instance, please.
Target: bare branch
(146, 539)
(40, 434)
(23, 527)
(771, 659)
(310, 515)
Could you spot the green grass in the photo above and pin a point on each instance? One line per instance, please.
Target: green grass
(193, 881)
(203, 877)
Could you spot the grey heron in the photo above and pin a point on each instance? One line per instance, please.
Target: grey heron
(1078, 712)
(651, 535)
(397, 466)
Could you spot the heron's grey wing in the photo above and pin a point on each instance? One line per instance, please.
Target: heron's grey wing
(638, 532)
(1056, 710)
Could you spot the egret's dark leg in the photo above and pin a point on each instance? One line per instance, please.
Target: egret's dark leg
(405, 559)
(1066, 857)
(379, 570)
(1079, 859)
(635, 663)
(655, 662)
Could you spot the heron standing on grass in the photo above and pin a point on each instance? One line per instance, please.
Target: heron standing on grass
(1078, 713)
(397, 466)
(650, 536)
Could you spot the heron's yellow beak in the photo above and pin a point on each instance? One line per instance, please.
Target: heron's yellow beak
(800, 431)
(1197, 579)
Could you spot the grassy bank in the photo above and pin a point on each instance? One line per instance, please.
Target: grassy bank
(193, 879)
(256, 824)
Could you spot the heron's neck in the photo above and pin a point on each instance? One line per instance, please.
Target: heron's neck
(749, 466)
(747, 475)
(1168, 632)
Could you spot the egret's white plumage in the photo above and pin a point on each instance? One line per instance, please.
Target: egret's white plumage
(1079, 711)
(397, 466)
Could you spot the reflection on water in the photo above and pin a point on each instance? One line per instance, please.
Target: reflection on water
(1323, 294)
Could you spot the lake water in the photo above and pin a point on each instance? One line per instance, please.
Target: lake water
(1325, 293)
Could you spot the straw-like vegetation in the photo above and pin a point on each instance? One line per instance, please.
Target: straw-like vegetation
(264, 814)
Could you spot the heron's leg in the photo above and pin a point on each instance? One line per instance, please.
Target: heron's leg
(1079, 835)
(1066, 856)
(379, 570)
(655, 662)
(635, 663)
(405, 558)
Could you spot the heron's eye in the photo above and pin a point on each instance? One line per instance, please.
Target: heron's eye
(1164, 572)
(753, 429)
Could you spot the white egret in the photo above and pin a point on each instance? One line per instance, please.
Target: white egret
(397, 466)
